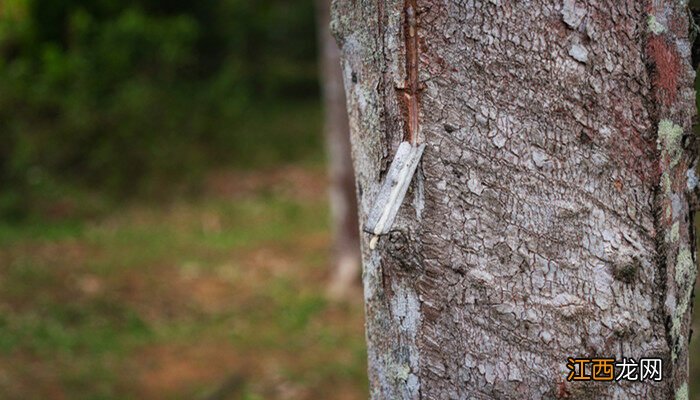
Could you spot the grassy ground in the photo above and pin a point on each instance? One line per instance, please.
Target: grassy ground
(221, 296)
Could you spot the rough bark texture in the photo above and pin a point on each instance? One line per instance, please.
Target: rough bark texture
(549, 218)
(343, 201)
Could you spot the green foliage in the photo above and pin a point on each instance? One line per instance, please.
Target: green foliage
(126, 97)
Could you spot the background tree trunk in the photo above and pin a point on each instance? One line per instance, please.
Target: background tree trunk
(343, 198)
(549, 217)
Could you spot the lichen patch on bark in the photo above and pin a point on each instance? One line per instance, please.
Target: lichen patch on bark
(669, 140)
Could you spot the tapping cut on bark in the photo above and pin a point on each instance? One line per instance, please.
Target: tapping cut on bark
(403, 167)
(550, 215)
(410, 91)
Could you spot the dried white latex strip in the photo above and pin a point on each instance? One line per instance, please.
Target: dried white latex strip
(386, 206)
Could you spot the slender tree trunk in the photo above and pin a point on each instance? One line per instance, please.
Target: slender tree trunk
(549, 217)
(343, 198)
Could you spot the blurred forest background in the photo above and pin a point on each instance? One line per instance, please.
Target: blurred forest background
(164, 226)
(126, 97)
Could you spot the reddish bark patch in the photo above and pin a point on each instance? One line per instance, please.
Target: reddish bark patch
(678, 179)
(678, 26)
(563, 391)
(667, 68)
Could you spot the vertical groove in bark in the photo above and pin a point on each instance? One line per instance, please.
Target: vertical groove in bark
(548, 218)
(410, 89)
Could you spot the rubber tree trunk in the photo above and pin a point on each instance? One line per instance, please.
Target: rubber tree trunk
(549, 217)
(343, 198)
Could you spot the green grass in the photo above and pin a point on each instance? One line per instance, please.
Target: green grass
(10, 233)
(147, 302)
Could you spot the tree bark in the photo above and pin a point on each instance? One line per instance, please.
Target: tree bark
(343, 198)
(550, 215)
